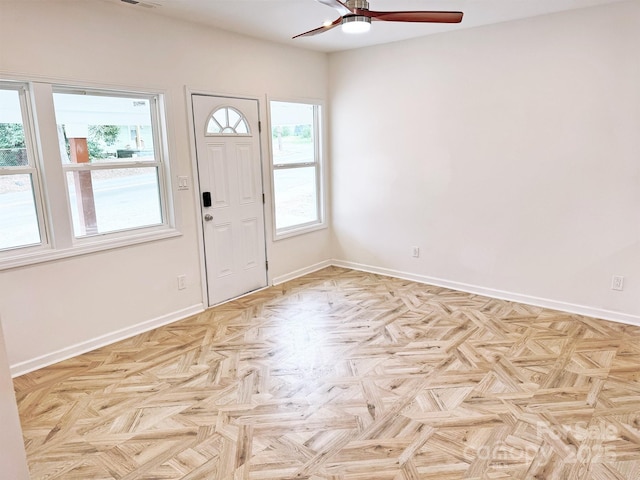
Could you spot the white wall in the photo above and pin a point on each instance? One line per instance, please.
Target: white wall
(59, 308)
(510, 154)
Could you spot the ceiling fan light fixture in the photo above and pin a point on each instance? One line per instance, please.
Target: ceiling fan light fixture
(356, 24)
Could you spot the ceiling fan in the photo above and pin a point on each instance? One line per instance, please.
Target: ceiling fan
(356, 17)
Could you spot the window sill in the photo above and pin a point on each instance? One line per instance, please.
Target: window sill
(48, 255)
(294, 232)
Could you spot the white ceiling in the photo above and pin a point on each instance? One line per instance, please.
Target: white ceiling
(279, 20)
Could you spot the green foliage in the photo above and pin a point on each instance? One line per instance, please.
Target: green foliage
(285, 131)
(303, 131)
(100, 135)
(12, 145)
(106, 133)
(11, 135)
(95, 150)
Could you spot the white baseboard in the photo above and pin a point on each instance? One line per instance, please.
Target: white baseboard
(494, 293)
(68, 352)
(301, 272)
(84, 347)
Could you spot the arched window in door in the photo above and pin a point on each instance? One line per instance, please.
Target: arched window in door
(227, 121)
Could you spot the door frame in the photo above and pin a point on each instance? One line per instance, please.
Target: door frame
(195, 183)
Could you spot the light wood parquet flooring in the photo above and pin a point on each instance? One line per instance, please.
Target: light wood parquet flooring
(344, 375)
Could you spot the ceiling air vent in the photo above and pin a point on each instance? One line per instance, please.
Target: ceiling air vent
(142, 4)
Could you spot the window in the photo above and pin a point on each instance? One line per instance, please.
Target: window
(110, 161)
(227, 121)
(297, 173)
(20, 210)
(100, 177)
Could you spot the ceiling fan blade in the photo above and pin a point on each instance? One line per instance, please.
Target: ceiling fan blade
(338, 5)
(321, 29)
(430, 17)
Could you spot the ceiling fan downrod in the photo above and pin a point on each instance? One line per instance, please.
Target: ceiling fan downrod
(357, 4)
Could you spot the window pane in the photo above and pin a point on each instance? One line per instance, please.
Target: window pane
(99, 129)
(18, 218)
(295, 196)
(292, 133)
(242, 127)
(234, 117)
(213, 126)
(221, 117)
(110, 200)
(13, 151)
(227, 121)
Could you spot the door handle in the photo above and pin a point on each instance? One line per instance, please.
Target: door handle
(208, 217)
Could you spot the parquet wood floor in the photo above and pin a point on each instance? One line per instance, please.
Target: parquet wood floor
(344, 375)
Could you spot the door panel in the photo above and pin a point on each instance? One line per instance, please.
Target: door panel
(222, 264)
(229, 167)
(216, 170)
(250, 253)
(246, 172)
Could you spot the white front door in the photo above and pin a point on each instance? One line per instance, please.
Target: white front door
(231, 200)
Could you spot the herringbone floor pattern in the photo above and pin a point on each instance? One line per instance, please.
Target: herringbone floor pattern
(344, 375)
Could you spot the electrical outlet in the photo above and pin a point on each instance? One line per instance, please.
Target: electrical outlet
(415, 251)
(182, 282)
(617, 283)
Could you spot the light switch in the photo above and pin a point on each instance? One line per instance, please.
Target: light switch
(183, 183)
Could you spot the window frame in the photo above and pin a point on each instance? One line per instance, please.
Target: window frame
(318, 163)
(55, 208)
(32, 169)
(157, 163)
